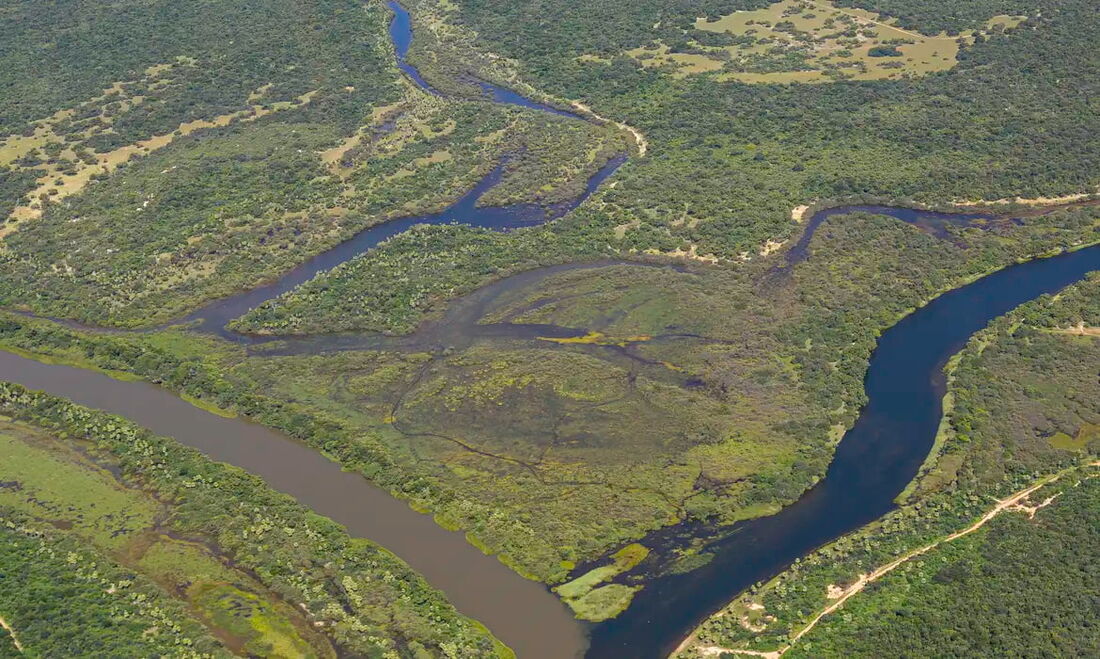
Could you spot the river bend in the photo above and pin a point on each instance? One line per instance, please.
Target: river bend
(873, 463)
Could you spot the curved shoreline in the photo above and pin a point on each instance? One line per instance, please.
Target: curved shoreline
(430, 553)
(874, 461)
(669, 607)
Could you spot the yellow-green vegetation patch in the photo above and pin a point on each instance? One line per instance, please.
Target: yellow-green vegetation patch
(599, 339)
(1088, 433)
(55, 482)
(62, 487)
(604, 602)
(225, 597)
(808, 41)
(248, 616)
(1004, 22)
(593, 602)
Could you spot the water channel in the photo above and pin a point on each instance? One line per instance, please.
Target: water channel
(873, 463)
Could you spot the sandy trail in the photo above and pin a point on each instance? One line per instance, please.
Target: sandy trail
(1014, 502)
(1033, 201)
(11, 631)
(639, 138)
(1079, 330)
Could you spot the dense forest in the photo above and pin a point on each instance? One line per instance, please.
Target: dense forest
(727, 161)
(852, 129)
(164, 185)
(64, 602)
(1020, 587)
(1021, 406)
(58, 54)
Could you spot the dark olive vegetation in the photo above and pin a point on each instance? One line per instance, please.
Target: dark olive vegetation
(950, 16)
(727, 161)
(59, 54)
(14, 183)
(710, 394)
(1022, 405)
(227, 207)
(706, 395)
(303, 146)
(1020, 587)
(392, 288)
(71, 601)
(264, 575)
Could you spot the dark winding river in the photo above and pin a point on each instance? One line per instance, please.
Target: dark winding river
(874, 461)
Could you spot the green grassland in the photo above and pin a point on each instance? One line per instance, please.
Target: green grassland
(712, 393)
(1018, 586)
(146, 511)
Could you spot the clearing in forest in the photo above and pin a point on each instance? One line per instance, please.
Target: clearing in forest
(64, 152)
(808, 41)
(60, 484)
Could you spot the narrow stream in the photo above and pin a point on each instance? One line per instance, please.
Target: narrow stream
(874, 461)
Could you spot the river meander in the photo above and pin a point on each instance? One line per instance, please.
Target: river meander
(874, 461)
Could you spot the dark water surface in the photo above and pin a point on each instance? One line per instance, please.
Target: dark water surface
(873, 463)
(213, 317)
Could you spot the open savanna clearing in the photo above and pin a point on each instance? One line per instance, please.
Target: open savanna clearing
(61, 486)
(57, 148)
(808, 41)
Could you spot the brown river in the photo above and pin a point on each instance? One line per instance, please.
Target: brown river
(522, 613)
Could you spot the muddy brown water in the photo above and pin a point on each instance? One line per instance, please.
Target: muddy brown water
(522, 613)
(525, 614)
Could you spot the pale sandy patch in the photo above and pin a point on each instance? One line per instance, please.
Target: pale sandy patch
(622, 229)
(1033, 201)
(798, 213)
(1079, 330)
(771, 247)
(692, 253)
(747, 624)
(639, 138)
(11, 631)
(106, 163)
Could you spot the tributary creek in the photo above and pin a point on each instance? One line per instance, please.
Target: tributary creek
(875, 460)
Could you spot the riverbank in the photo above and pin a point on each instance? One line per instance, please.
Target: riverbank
(218, 377)
(1014, 503)
(988, 453)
